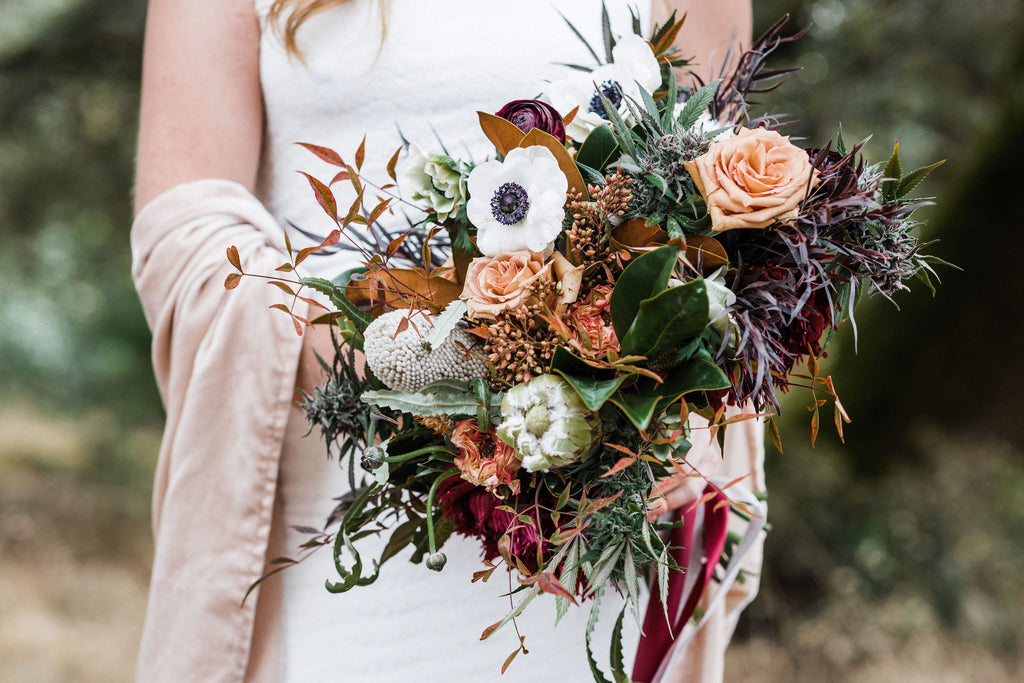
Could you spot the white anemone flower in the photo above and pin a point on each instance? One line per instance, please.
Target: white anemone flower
(633, 66)
(518, 203)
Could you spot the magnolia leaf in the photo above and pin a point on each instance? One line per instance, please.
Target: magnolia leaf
(642, 279)
(598, 149)
(705, 253)
(697, 103)
(503, 134)
(636, 235)
(593, 392)
(666, 320)
(445, 323)
(638, 408)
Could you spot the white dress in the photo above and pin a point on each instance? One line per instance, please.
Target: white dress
(440, 62)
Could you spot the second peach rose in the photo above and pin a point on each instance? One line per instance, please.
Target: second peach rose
(501, 282)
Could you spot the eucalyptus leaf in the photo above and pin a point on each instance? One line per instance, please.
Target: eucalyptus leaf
(417, 403)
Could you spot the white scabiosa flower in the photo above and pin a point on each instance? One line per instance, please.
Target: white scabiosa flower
(633, 63)
(548, 424)
(401, 361)
(436, 179)
(518, 203)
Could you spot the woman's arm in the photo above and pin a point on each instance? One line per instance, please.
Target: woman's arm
(202, 111)
(710, 27)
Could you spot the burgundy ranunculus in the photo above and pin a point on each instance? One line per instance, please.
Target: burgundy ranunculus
(530, 114)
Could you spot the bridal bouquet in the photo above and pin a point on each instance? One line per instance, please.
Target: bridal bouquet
(636, 252)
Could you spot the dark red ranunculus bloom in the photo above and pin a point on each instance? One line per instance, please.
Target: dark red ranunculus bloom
(530, 114)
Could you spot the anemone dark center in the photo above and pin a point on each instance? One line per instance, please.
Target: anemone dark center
(509, 204)
(612, 92)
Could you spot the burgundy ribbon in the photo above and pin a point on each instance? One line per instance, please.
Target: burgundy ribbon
(658, 635)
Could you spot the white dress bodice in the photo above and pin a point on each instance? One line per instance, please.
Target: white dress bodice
(439, 62)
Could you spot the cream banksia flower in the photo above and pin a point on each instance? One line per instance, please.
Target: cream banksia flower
(548, 424)
(401, 361)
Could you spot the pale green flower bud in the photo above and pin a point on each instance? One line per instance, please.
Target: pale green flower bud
(438, 180)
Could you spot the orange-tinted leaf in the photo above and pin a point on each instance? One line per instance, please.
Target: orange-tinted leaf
(282, 286)
(324, 196)
(393, 163)
(233, 258)
(280, 307)
(489, 630)
(548, 583)
(636, 234)
(502, 133)
(324, 153)
(395, 244)
(705, 253)
(622, 464)
(341, 175)
(773, 434)
(357, 184)
(378, 211)
(304, 253)
(313, 302)
(361, 154)
(232, 280)
(567, 119)
(814, 425)
(403, 325)
(331, 239)
(595, 505)
(483, 574)
(353, 211)
(284, 268)
(510, 659)
(812, 364)
(326, 318)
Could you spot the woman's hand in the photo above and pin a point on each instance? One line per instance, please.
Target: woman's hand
(202, 110)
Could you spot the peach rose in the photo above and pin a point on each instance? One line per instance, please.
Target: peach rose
(497, 283)
(753, 179)
(484, 459)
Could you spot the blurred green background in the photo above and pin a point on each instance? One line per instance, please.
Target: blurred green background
(897, 557)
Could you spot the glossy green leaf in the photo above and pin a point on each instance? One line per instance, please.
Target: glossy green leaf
(598, 149)
(639, 408)
(642, 279)
(667, 319)
(594, 392)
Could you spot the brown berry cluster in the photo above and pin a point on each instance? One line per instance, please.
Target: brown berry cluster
(519, 344)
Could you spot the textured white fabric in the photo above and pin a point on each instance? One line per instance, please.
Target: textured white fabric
(440, 62)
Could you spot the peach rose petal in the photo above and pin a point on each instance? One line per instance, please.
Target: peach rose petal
(752, 180)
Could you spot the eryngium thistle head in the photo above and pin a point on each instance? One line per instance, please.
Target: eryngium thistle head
(548, 424)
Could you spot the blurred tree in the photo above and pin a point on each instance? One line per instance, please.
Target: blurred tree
(71, 330)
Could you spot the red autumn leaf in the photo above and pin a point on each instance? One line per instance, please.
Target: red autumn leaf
(548, 583)
(284, 268)
(283, 287)
(393, 163)
(324, 196)
(324, 153)
(361, 154)
(357, 184)
(510, 659)
(622, 464)
(232, 281)
(595, 505)
(313, 302)
(342, 175)
(395, 244)
(280, 307)
(378, 211)
(233, 258)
